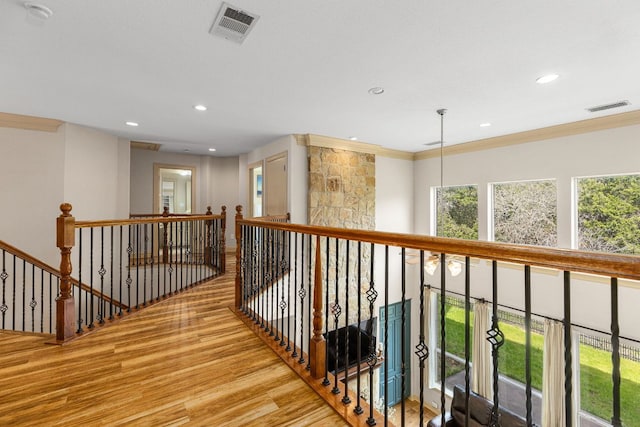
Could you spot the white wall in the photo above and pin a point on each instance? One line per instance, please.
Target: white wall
(94, 162)
(32, 190)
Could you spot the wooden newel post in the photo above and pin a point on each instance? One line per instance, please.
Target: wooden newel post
(223, 240)
(65, 306)
(317, 348)
(238, 299)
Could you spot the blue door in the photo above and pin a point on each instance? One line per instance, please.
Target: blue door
(394, 352)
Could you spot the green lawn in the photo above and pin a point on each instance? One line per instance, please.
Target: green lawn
(595, 368)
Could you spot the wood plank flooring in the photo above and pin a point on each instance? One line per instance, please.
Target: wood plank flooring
(185, 361)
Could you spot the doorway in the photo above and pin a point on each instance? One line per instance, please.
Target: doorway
(394, 353)
(276, 185)
(255, 190)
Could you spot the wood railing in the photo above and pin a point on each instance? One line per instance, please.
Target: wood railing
(125, 265)
(335, 283)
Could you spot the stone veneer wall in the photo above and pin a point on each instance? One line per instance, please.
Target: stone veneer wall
(342, 188)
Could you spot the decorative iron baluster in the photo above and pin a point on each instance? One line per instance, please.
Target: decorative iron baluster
(294, 353)
(326, 381)
(170, 256)
(33, 303)
(24, 292)
(138, 248)
(4, 275)
(128, 281)
(345, 399)
(42, 300)
(422, 350)
(287, 239)
(372, 360)
(13, 296)
(111, 275)
(496, 339)
(151, 276)
(101, 272)
(527, 329)
(467, 337)
(301, 293)
(336, 310)
(283, 303)
(443, 336)
(615, 353)
(568, 372)
(79, 319)
(276, 283)
(120, 279)
(358, 409)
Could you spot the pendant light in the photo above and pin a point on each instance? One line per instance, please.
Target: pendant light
(431, 264)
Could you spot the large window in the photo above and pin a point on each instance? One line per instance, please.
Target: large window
(609, 213)
(525, 213)
(457, 212)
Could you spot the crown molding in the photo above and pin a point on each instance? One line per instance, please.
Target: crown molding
(629, 118)
(311, 140)
(19, 121)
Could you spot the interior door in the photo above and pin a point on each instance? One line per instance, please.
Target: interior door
(394, 353)
(276, 193)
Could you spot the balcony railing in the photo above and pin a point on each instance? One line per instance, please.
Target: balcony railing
(350, 312)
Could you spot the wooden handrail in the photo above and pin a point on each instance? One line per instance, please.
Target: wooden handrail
(158, 220)
(30, 259)
(600, 263)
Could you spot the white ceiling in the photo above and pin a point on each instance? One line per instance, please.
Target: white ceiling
(307, 65)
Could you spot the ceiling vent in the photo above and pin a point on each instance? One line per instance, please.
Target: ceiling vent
(233, 23)
(608, 106)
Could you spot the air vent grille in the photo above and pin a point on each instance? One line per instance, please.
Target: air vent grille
(233, 24)
(608, 106)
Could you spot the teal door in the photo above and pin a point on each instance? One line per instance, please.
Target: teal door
(394, 352)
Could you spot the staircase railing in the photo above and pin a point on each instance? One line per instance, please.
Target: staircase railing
(343, 294)
(129, 264)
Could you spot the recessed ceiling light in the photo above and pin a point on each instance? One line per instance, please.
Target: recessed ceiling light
(212, 149)
(546, 79)
(376, 91)
(353, 138)
(485, 125)
(134, 124)
(200, 107)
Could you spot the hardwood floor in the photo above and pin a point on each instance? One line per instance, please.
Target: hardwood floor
(185, 361)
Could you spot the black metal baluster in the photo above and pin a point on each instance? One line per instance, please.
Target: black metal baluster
(336, 310)
(33, 302)
(276, 283)
(443, 336)
(289, 271)
(111, 276)
(326, 381)
(467, 337)
(161, 284)
(345, 399)
(422, 350)
(51, 303)
(101, 272)
(128, 281)
(138, 248)
(527, 330)
(263, 277)
(89, 304)
(24, 293)
(42, 300)
(310, 282)
(4, 275)
(358, 409)
(615, 353)
(151, 276)
(80, 248)
(13, 296)
(372, 360)
(386, 335)
(301, 294)
(294, 353)
(283, 303)
(170, 256)
(568, 371)
(120, 280)
(496, 339)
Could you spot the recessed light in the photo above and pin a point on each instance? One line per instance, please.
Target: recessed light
(485, 125)
(376, 91)
(353, 138)
(546, 79)
(212, 149)
(200, 107)
(134, 124)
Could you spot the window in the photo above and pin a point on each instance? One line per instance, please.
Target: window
(608, 213)
(525, 213)
(457, 212)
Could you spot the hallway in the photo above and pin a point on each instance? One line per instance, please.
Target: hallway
(184, 361)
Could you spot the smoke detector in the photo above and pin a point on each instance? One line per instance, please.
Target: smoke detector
(233, 23)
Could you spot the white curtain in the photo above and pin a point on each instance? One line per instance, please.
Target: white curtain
(482, 372)
(553, 408)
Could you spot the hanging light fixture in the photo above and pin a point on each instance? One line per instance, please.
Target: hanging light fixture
(430, 266)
